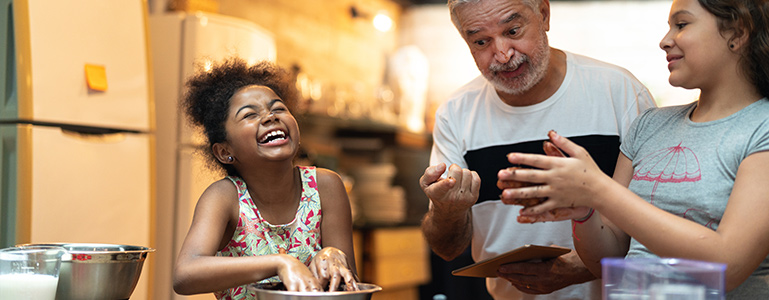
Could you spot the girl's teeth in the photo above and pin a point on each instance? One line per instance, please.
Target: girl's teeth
(272, 134)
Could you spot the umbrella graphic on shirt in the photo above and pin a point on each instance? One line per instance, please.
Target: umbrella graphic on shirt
(673, 164)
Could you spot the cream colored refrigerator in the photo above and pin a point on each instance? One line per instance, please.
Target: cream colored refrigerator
(76, 124)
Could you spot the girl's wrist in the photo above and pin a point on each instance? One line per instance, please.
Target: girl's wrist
(580, 221)
(585, 218)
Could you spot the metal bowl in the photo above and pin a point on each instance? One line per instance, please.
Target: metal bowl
(98, 271)
(276, 291)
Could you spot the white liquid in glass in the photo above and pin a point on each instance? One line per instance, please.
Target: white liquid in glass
(28, 286)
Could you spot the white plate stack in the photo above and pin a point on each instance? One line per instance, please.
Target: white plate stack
(380, 202)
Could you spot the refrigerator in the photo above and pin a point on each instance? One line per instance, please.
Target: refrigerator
(76, 125)
(183, 43)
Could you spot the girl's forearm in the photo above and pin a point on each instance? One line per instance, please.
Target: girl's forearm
(595, 239)
(209, 273)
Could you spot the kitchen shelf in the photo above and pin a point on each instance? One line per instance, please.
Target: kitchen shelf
(390, 134)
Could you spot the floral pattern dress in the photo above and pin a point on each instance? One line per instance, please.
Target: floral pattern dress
(255, 236)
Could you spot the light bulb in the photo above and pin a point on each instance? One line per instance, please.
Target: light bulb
(382, 22)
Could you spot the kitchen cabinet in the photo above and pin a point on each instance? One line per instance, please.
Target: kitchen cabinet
(397, 259)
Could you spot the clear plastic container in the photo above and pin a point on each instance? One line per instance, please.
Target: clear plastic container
(662, 279)
(30, 273)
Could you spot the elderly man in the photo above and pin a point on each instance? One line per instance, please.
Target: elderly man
(526, 89)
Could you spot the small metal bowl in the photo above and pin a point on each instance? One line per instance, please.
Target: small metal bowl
(276, 291)
(98, 271)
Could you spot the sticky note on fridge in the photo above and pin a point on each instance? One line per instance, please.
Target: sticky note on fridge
(96, 76)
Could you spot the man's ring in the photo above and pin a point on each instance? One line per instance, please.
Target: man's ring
(528, 286)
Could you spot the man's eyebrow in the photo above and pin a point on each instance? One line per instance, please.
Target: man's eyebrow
(509, 19)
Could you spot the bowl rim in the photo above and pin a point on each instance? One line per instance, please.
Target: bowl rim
(84, 247)
(372, 288)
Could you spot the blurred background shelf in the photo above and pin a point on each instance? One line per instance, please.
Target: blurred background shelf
(362, 151)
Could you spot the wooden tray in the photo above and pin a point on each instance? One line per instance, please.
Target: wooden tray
(488, 267)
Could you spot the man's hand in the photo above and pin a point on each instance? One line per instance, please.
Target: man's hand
(547, 276)
(503, 183)
(453, 195)
(447, 226)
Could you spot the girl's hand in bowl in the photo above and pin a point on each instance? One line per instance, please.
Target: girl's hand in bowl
(296, 276)
(330, 267)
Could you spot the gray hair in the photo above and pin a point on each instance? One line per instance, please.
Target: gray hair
(453, 4)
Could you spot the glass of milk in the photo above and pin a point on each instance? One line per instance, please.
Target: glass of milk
(30, 272)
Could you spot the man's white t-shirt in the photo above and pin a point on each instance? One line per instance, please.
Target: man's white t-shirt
(594, 107)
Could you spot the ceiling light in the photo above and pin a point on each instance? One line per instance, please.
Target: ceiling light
(382, 22)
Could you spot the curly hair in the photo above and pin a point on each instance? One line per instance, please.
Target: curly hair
(751, 17)
(207, 99)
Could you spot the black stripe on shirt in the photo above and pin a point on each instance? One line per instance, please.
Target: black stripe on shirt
(488, 161)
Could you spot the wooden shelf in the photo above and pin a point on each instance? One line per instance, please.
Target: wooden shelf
(341, 128)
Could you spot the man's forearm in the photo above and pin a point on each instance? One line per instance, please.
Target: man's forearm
(448, 236)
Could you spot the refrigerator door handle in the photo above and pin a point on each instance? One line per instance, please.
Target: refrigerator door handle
(95, 137)
(73, 129)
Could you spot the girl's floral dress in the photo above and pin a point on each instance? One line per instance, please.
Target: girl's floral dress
(254, 236)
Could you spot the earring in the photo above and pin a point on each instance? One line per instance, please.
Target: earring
(230, 159)
(731, 46)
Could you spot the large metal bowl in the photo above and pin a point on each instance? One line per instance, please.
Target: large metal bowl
(98, 271)
(275, 291)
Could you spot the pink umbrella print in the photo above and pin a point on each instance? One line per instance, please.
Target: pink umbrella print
(673, 164)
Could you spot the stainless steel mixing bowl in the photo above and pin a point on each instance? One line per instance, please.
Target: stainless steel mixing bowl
(99, 271)
(272, 291)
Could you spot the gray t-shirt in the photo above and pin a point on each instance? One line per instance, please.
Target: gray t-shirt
(689, 168)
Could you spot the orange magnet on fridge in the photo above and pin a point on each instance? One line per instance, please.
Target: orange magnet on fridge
(96, 76)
